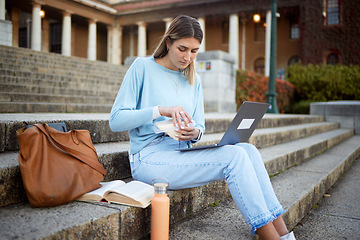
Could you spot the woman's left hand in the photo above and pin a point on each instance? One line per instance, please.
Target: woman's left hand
(187, 133)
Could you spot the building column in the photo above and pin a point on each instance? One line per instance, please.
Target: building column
(267, 43)
(15, 26)
(118, 43)
(141, 50)
(91, 52)
(201, 21)
(2, 9)
(114, 44)
(110, 47)
(167, 23)
(66, 34)
(36, 27)
(131, 44)
(234, 37)
(45, 35)
(243, 43)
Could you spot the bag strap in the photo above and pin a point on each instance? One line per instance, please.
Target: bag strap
(76, 133)
(93, 164)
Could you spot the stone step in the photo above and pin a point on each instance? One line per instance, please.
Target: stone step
(78, 220)
(114, 157)
(339, 208)
(52, 80)
(47, 98)
(264, 137)
(324, 169)
(305, 182)
(98, 125)
(13, 55)
(100, 90)
(113, 147)
(46, 74)
(63, 75)
(18, 102)
(60, 81)
(283, 156)
(29, 107)
(16, 52)
(219, 122)
(298, 190)
(46, 66)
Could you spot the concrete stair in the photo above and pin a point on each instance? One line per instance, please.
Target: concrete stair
(32, 81)
(298, 190)
(304, 154)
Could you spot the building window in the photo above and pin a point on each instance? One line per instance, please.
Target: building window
(55, 37)
(332, 12)
(294, 29)
(333, 58)
(23, 38)
(259, 65)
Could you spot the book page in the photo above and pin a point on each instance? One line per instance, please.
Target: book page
(136, 190)
(105, 186)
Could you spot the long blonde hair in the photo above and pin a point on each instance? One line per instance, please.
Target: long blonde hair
(181, 27)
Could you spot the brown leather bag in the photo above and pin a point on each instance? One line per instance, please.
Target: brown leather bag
(57, 167)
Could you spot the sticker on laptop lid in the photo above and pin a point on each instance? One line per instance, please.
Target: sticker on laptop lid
(245, 123)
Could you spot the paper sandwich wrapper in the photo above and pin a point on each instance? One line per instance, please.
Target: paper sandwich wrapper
(168, 128)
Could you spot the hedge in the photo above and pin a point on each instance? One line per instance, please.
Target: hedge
(251, 86)
(319, 83)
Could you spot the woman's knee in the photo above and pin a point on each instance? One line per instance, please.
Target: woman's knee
(251, 150)
(235, 155)
(234, 151)
(248, 147)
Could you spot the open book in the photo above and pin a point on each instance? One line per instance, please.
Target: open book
(134, 193)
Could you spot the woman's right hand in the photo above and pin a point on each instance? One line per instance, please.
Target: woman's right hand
(177, 113)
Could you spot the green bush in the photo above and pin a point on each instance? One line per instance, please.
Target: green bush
(302, 107)
(319, 83)
(251, 86)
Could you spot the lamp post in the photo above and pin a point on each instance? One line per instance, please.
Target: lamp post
(271, 95)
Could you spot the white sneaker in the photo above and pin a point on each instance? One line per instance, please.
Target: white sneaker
(289, 236)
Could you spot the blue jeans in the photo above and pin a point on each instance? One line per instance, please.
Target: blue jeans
(240, 165)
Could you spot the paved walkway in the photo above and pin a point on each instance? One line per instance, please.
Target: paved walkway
(337, 215)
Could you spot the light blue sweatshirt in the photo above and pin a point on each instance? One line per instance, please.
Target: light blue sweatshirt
(146, 85)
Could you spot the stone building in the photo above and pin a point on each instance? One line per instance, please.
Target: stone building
(113, 30)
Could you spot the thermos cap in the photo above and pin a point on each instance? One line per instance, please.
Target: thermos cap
(160, 188)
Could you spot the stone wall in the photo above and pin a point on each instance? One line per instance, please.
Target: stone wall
(217, 71)
(5, 33)
(347, 113)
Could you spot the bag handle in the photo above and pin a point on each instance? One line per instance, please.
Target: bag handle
(75, 133)
(95, 165)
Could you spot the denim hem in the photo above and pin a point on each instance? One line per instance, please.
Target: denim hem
(272, 215)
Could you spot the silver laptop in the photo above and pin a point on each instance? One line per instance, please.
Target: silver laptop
(241, 127)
